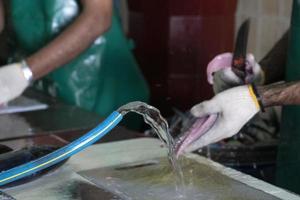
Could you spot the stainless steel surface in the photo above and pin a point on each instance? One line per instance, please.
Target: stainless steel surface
(58, 125)
(157, 181)
(57, 118)
(109, 166)
(63, 184)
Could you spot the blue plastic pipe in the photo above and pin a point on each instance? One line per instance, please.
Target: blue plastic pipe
(63, 153)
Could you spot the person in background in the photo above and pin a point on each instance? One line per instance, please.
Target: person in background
(76, 50)
(16, 77)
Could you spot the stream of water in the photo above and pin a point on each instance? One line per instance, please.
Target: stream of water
(153, 117)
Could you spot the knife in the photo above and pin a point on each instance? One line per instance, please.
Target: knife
(240, 52)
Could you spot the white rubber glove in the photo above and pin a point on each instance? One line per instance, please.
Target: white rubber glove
(12, 82)
(221, 76)
(235, 107)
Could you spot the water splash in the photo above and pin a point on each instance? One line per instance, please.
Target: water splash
(153, 117)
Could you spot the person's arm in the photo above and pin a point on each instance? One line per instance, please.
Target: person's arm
(280, 94)
(93, 21)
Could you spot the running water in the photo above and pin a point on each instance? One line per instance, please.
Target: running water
(153, 117)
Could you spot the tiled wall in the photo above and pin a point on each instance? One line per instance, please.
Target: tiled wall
(269, 20)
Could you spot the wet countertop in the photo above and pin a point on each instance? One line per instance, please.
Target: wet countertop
(137, 169)
(57, 125)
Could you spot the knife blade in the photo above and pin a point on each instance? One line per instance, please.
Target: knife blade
(240, 52)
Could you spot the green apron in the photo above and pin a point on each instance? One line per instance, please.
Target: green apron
(101, 79)
(288, 165)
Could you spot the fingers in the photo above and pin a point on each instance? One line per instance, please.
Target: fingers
(221, 61)
(217, 133)
(205, 108)
(12, 82)
(229, 76)
(212, 136)
(251, 59)
(225, 79)
(254, 71)
(5, 93)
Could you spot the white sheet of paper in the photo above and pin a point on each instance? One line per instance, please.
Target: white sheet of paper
(22, 104)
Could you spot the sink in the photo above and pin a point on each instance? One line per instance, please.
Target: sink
(139, 169)
(155, 179)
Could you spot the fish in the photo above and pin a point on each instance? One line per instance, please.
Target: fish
(199, 128)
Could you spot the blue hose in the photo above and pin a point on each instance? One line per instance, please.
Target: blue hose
(63, 153)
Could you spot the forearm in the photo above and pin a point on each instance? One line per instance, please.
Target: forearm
(94, 20)
(280, 94)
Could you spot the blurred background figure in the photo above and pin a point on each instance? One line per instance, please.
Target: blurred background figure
(75, 49)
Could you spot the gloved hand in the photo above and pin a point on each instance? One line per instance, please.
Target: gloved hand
(12, 82)
(221, 76)
(235, 107)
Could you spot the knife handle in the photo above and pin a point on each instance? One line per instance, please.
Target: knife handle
(239, 67)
